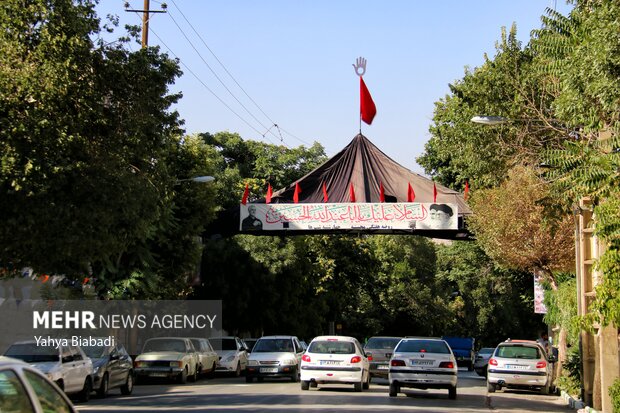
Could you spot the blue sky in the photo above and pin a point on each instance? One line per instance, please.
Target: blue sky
(294, 59)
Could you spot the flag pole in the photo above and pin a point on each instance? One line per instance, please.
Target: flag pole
(360, 70)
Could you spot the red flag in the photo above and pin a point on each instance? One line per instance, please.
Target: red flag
(466, 194)
(381, 192)
(269, 193)
(351, 193)
(410, 194)
(324, 193)
(297, 192)
(368, 110)
(244, 200)
(434, 193)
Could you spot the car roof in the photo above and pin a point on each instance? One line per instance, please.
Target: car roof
(334, 338)
(10, 361)
(423, 338)
(526, 342)
(280, 337)
(399, 338)
(166, 338)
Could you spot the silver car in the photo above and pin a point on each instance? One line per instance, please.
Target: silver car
(482, 360)
(379, 351)
(275, 356)
(423, 363)
(67, 366)
(520, 364)
(24, 389)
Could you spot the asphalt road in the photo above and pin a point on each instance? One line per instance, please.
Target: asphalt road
(227, 394)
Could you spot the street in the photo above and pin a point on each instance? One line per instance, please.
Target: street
(226, 394)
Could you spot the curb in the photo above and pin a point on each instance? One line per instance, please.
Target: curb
(576, 404)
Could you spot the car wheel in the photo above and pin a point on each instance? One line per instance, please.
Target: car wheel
(452, 393)
(490, 387)
(305, 385)
(394, 389)
(84, 395)
(194, 377)
(182, 377)
(237, 372)
(358, 386)
(314, 384)
(102, 391)
(366, 385)
(127, 388)
(212, 372)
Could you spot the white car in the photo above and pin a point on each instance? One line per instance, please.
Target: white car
(274, 356)
(335, 359)
(24, 389)
(423, 363)
(67, 366)
(207, 356)
(168, 357)
(520, 364)
(233, 354)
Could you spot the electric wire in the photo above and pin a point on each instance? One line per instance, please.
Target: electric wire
(232, 77)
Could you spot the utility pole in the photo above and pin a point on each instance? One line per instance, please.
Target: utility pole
(145, 18)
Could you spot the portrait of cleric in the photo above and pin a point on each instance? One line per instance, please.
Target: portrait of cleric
(251, 223)
(441, 216)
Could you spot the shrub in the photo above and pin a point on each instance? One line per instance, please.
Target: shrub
(614, 392)
(570, 381)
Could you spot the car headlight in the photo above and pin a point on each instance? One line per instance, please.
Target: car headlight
(230, 358)
(288, 362)
(141, 363)
(96, 369)
(252, 363)
(176, 364)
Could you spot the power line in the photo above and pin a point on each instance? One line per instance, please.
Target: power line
(230, 75)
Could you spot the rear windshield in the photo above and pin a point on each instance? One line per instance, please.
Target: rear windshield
(422, 346)
(173, 345)
(518, 352)
(332, 347)
(382, 343)
(273, 345)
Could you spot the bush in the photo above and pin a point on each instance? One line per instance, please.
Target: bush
(614, 392)
(570, 381)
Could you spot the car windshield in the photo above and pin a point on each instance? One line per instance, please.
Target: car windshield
(422, 346)
(273, 345)
(518, 352)
(94, 352)
(224, 344)
(31, 353)
(382, 343)
(177, 346)
(332, 347)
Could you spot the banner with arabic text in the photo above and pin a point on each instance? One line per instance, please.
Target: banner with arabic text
(330, 216)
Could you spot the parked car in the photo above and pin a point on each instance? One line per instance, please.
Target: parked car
(379, 351)
(249, 342)
(482, 360)
(168, 357)
(207, 357)
(233, 354)
(520, 364)
(67, 366)
(25, 389)
(275, 356)
(423, 363)
(112, 368)
(335, 359)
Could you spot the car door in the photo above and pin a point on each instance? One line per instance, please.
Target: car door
(114, 369)
(242, 351)
(80, 366)
(68, 369)
(299, 351)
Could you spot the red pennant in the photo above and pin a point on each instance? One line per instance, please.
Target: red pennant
(351, 192)
(297, 192)
(466, 194)
(269, 194)
(368, 110)
(410, 194)
(434, 192)
(244, 199)
(325, 198)
(85, 281)
(381, 192)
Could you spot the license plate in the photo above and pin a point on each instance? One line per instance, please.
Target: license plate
(158, 374)
(268, 369)
(329, 362)
(516, 367)
(382, 367)
(422, 362)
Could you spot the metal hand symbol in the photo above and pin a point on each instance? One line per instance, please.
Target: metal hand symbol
(360, 66)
